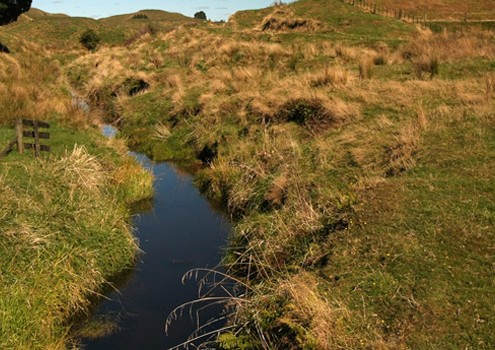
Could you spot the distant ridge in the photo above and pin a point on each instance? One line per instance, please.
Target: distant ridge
(153, 15)
(35, 13)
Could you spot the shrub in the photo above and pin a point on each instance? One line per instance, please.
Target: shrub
(301, 111)
(11, 10)
(200, 15)
(139, 16)
(90, 39)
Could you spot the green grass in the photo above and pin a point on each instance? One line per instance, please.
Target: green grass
(439, 26)
(364, 203)
(341, 21)
(444, 9)
(418, 255)
(64, 232)
(63, 32)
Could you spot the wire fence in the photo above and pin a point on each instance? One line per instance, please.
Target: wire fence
(386, 11)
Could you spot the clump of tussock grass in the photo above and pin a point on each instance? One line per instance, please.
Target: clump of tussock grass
(490, 86)
(401, 156)
(82, 172)
(282, 19)
(381, 55)
(315, 114)
(133, 182)
(366, 67)
(284, 24)
(426, 66)
(162, 132)
(346, 53)
(380, 60)
(451, 46)
(330, 77)
(323, 318)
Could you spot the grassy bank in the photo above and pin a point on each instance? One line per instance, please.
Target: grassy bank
(64, 218)
(353, 165)
(358, 165)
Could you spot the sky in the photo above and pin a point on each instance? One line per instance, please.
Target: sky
(214, 9)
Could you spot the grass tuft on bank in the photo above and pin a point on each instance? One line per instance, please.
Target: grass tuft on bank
(64, 217)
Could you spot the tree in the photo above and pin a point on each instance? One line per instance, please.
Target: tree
(90, 39)
(10, 10)
(200, 15)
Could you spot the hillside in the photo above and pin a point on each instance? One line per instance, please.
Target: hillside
(355, 152)
(56, 209)
(135, 23)
(445, 9)
(61, 31)
(35, 13)
(334, 18)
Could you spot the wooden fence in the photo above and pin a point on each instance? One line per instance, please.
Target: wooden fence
(27, 128)
(398, 14)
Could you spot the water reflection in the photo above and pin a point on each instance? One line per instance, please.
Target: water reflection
(178, 230)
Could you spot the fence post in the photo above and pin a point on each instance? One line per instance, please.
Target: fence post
(18, 133)
(37, 147)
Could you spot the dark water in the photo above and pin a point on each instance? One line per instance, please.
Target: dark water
(180, 232)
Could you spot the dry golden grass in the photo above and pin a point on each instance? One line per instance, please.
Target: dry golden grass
(82, 172)
(299, 133)
(333, 76)
(247, 74)
(346, 53)
(162, 132)
(324, 321)
(451, 46)
(446, 10)
(490, 86)
(32, 85)
(402, 154)
(283, 19)
(366, 66)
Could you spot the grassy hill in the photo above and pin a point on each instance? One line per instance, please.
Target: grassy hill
(334, 18)
(355, 152)
(445, 9)
(35, 13)
(61, 31)
(135, 24)
(51, 256)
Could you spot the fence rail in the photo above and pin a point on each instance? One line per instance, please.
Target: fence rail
(33, 132)
(385, 11)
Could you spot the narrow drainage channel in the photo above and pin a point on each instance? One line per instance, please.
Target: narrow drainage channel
(179, 231)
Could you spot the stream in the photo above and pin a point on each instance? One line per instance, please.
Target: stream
(178, 232)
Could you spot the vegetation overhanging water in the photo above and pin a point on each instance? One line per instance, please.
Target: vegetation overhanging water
(178, 231)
